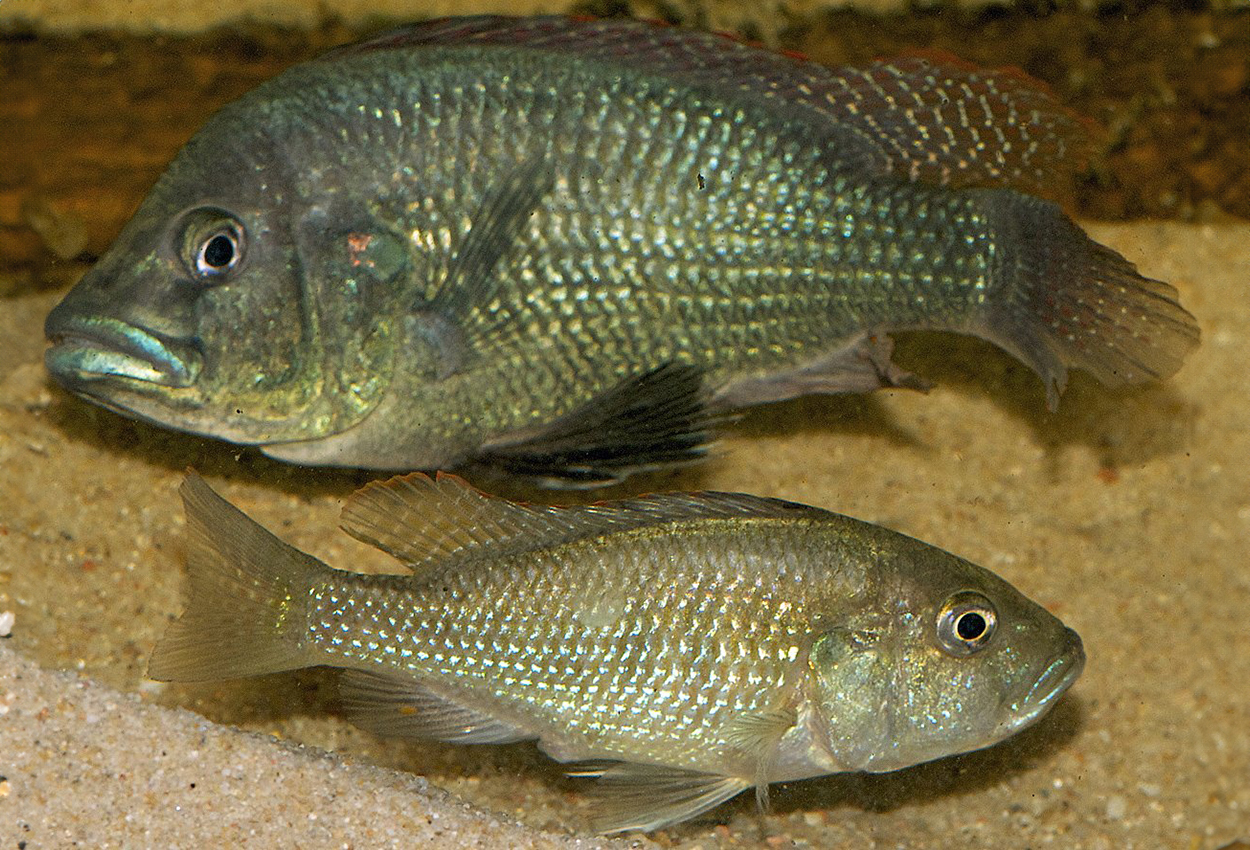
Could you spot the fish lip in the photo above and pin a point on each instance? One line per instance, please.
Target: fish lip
(1051, 683)
(105, 348)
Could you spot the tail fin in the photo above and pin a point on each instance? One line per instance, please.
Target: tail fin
(1068, 302)
(245, 605)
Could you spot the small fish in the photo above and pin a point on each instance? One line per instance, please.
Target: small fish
(566, 248)
(693, 645)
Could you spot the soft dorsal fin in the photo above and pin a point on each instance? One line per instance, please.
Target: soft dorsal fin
(929, 118)
(940, 120)
(422, 521)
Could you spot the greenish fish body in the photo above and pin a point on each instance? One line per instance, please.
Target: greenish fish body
(703, 643)
(562, 247)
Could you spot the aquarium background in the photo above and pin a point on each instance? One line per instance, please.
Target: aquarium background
(1125, 513)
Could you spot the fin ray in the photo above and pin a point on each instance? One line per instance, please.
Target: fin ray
(861, 365)
(242, 617)
(1070, 302)
(422, 521)
(403, 707)
(658, 419)
(471, 276)
(645, 797)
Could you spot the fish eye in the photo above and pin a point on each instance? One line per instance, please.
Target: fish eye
(218, 254)
(213, 243)
(965, 623)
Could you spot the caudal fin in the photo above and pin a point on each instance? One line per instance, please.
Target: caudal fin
(245, 603)
(1067, 302)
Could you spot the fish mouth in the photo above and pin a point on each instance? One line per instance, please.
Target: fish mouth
(100, 348)
(1052, 683)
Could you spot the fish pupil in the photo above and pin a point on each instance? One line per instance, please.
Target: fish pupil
(970, 626)
(219, 252)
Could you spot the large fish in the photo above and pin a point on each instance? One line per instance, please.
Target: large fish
(704, 643)
(563, 247)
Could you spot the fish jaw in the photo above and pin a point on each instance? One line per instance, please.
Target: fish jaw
(1037, 695)
(141, 375)
(87, 350)
(132, 371)
(1052, 683)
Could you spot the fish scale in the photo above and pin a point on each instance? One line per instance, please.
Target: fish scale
(441, 609)
(705, 642)
(558, 242)
(478, 250)
(536, 632)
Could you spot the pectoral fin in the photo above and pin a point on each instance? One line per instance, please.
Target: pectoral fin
(641, 796)
(403, 707)
(759, 735)
(463, 300)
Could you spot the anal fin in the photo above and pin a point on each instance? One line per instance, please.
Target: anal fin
(645, 797)
(658, 419)
(861, 365)
(399, 706)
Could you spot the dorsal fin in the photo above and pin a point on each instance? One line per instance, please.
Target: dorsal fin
(946, 122)
(929, 118)
(423, 521)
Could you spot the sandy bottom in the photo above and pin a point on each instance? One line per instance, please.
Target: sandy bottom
(1127, 514)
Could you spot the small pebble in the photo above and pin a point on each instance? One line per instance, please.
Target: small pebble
(1117, 807)
(7, 618)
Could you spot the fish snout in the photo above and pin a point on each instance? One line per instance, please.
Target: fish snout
(91, 347)
(1052, 681)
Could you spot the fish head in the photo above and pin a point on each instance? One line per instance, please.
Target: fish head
(956, 660)
(215, 311)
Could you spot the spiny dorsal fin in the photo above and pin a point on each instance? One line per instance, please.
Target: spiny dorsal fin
(423, 521)
(931, 118)
(403, 707)
(655, 420)
(645, 796)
